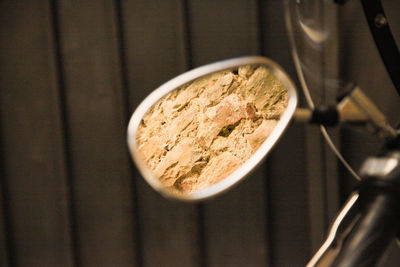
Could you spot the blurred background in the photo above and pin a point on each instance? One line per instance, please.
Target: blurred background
(72, 73)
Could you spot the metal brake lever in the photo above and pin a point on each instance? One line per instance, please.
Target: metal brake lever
(342, 225)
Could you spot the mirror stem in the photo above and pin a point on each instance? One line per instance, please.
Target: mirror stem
(325, 115)
(354, 108)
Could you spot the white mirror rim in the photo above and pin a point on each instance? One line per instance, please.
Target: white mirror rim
(240, 173)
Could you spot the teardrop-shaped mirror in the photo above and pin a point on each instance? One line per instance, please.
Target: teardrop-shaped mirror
(205, 130)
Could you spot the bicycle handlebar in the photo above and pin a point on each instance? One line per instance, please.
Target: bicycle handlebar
(372, 234)
(372, 222)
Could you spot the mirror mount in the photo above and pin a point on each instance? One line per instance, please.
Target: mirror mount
(354, 108)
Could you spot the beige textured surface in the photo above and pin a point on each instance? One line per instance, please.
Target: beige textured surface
(200, 133)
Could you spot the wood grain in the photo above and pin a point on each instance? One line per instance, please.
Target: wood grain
(4, 242)
(32, 134)
(222, 29)
(100, 167)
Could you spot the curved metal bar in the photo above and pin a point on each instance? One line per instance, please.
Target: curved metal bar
(380, 30)
(345, 218)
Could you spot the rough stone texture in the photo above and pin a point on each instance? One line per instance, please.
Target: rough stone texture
(198, 134)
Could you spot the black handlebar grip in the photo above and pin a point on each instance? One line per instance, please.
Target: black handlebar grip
(373, 232)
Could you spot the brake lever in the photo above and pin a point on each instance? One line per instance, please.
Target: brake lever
(340, 228)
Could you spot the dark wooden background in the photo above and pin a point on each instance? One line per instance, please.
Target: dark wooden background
(71, 74)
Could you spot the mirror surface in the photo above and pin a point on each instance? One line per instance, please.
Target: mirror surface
(205, 130)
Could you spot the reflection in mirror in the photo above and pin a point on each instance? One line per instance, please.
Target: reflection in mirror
(199, 133)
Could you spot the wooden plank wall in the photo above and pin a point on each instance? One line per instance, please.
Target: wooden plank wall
(33, 149)
(95, 112)
(72, 73)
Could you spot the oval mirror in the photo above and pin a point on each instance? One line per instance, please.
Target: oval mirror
(205, 130)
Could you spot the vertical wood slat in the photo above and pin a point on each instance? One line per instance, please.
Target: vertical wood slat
(223, 29)
(96, 123)
(4, 245)
(6, 257)
(316, 186)
(332, 185)
(235, 223)
(32, 136)
(287, 183)
(289, 226)
(155, 52)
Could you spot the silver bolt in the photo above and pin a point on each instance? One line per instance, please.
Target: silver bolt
(380, 20)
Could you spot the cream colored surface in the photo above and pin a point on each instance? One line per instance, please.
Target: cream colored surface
(200, 133)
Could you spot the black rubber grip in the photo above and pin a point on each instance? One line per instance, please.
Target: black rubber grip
(325, 115)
